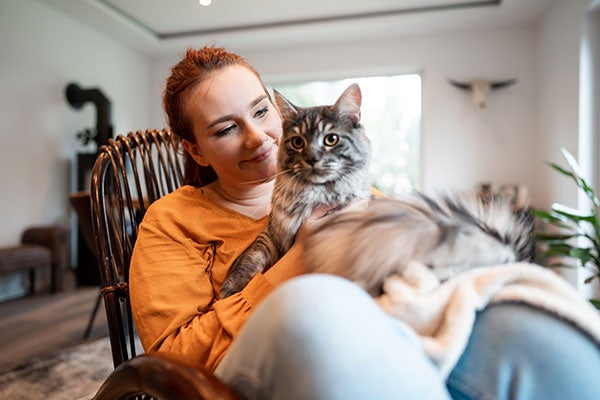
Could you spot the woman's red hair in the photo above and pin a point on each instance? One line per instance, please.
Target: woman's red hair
(196, 66)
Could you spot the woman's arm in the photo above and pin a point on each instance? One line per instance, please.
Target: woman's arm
(174, 281)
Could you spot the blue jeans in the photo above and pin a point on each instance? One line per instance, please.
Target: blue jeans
(322, 337)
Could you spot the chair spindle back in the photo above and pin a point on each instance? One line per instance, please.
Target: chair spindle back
(131, 172)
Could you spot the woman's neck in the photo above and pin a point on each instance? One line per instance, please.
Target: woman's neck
(253, 201)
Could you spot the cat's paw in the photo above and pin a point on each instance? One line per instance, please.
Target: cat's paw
(230, 286)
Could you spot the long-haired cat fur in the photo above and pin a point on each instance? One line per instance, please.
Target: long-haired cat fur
(448, 234)
(322, 161)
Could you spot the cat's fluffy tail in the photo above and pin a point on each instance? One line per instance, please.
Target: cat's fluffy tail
(367, 246)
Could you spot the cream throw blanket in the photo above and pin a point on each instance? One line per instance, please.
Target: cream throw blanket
(443, 314)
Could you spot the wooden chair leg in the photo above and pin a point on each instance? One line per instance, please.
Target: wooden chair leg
(54, 278)
(31, 282)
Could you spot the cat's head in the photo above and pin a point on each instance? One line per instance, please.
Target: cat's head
(323, 143)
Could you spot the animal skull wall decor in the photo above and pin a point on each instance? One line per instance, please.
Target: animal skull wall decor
(481, 88)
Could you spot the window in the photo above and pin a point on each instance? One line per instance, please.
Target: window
(391, 114)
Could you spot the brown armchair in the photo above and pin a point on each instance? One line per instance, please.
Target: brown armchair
(53, 237)
(42, 247)
(130, 173)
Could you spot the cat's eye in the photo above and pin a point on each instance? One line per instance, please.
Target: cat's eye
(297, 142)
(331, 139)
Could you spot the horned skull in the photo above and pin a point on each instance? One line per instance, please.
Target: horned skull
(481, 88)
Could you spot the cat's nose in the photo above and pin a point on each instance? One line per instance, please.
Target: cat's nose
(312, 157)
(312, 160)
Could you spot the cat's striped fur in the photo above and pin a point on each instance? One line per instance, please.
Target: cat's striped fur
(323, 161)
(449, 235)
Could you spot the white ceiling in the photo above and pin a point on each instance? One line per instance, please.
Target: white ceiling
(158, 26)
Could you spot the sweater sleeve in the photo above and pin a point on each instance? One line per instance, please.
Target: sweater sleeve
(174, 281)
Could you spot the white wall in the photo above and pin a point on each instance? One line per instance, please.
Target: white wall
(41, 51)
(557, 109)
(557, 46)
(589, 96)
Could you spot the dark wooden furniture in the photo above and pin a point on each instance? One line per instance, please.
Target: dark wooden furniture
(131, 172)
(42, 247)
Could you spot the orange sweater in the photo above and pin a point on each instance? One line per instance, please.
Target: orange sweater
(184, 249)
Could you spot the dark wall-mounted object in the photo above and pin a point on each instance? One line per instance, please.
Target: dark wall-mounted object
(77, 97)
(87, 267)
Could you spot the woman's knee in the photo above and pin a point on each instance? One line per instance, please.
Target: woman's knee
(532, 335)
(312, 289)
(316, 304)
(519, 352)
(327, 324)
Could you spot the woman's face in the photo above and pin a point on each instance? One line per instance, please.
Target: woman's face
(235, 126)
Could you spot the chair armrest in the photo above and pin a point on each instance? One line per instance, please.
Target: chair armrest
(53, 237)
(165, 377)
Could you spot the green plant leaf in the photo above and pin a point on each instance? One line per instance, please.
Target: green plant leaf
(581, 253)
(538, 212)
(595, 303)
(556, 220)
(563, 171)
(575, 174)
(571, 213)
(571, 160)
(547, 236)
(558, 249)
(548, 216)
(573, 224)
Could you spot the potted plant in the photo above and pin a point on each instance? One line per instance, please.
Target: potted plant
(575, 234)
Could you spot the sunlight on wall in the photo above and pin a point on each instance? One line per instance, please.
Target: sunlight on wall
(391, 114)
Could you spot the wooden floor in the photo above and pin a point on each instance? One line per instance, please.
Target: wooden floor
(47, 323)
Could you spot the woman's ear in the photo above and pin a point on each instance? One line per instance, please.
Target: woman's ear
(194, 151)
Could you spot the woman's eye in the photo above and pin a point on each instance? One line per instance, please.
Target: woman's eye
(225, 131)
(297, 142)
(261, 112)
(331, 139)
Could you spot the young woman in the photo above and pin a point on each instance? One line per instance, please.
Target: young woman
(287, 336)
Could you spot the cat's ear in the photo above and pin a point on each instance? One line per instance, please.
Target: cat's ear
(349, 103)
(286, 109)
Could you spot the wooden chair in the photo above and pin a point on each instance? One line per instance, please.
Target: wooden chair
(130, 173)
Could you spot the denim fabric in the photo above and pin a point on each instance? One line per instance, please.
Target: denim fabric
(322, 337)
(518, 352)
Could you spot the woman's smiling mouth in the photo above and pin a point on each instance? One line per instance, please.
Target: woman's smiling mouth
(261, 156)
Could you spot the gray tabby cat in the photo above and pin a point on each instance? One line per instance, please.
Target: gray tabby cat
(448, 235)
(322, 161)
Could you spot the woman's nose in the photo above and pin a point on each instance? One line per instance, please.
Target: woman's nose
(254, 136)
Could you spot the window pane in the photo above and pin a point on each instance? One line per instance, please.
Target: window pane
(391, 114)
